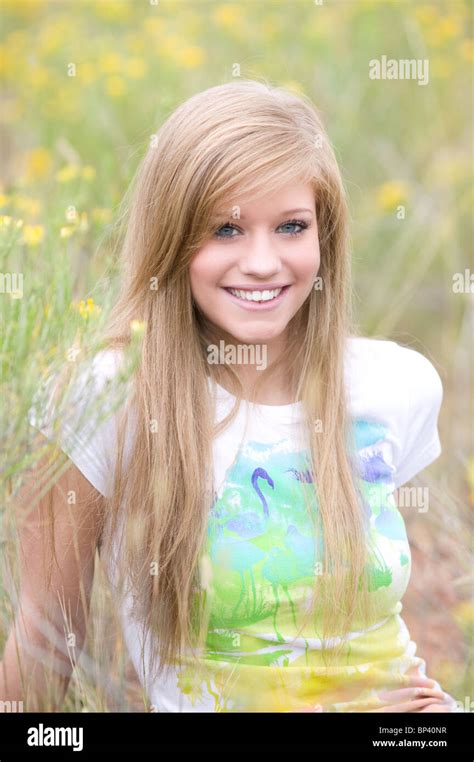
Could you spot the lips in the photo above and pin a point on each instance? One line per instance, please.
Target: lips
(271, 297)
(257, 295)
(255, 286)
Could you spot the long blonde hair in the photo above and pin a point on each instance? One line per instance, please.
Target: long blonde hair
(238, 138)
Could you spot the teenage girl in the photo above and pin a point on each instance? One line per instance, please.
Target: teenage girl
(245, 511)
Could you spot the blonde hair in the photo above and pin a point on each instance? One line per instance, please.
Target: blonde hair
(238, 138)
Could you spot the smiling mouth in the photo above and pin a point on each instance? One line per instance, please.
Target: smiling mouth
(256, 296)
(257, 300)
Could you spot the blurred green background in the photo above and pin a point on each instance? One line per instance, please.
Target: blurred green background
(86, 84)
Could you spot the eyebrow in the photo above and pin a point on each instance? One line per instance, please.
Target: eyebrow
(279, 214)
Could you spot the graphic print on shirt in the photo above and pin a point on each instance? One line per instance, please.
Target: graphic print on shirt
(376, 487)
(262, 544)
(265, 551)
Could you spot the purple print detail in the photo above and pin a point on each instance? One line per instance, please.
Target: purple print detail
(302, 476)
(374, 469)
(260, 473)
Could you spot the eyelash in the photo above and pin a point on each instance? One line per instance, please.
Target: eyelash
(304, 225)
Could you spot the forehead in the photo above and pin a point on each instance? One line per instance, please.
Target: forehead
(292, 199)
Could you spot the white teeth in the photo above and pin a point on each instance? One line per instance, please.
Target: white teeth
(256, 296)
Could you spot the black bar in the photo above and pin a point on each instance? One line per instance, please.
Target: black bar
(444, 734)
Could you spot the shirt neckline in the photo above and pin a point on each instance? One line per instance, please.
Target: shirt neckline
(293, 410)
(260, 404)
(284, 413)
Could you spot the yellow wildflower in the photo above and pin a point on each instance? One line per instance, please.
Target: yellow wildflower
(110, 63)
(169, 45)
(137, 327)
(87, 308)
(86, 73)
(50, 38)
(227, 16)
(136, 68)
(38, 163)
(67, 173)
(88, 172)
(135, 43)
(391, 194)
(114, 10)
(467, 49)
(446, 28)
(154, 26)
(115, 86)
(28, 205)
(191, 57)
(426, 14)
(33, 234)
(38, 77)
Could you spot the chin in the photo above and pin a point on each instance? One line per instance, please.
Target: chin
(257, 336)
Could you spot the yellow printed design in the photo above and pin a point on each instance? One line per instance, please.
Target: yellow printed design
(265, 550)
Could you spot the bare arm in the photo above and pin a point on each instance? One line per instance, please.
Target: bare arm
(49, 630)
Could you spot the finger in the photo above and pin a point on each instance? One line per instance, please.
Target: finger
(438, 708)
(407, 706)
(412, 680)
(448, 705)
(405, 694)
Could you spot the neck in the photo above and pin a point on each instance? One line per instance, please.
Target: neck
(250, 367)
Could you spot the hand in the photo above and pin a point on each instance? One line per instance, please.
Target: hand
(422, 695)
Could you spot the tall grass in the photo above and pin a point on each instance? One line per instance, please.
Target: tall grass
(86, 85)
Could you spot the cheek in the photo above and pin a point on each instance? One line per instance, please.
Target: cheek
(206, 272)
(202, 270)
(307, 263)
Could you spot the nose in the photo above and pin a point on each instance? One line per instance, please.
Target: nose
(260, 257)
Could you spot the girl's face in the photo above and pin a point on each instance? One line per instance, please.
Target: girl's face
(252, 276)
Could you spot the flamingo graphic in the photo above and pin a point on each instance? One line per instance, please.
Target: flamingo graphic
(249, 524)
(281, 565)
(238, 553)
(260, 473)
(289, 564)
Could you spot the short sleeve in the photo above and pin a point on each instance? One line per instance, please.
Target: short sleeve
(84, 421)
(418, 442)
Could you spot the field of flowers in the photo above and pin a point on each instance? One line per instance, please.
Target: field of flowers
(85, 83)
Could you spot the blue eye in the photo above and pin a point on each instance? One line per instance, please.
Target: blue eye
(223, 227)
(301, 224)
(292, 223)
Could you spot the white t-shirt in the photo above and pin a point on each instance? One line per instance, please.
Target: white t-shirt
(261, 543)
